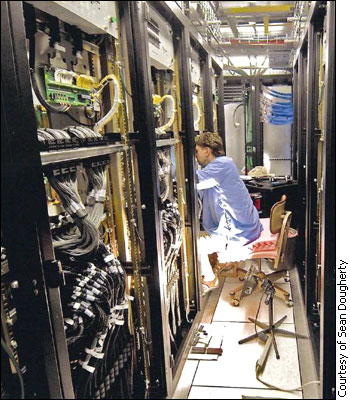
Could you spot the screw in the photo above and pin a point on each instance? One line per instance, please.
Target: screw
(14, 285)
(35, 282)
(143, 206)
(14, 344)
(36, 292)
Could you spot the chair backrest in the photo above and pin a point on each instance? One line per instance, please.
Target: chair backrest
(282, 238)
(276, 214)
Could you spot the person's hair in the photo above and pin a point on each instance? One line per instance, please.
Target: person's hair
(211, 140)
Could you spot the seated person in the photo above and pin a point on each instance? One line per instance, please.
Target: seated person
(229, 217)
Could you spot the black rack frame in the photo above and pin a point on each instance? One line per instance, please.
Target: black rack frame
(321, 316)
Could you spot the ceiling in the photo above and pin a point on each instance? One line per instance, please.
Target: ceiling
(256, 36)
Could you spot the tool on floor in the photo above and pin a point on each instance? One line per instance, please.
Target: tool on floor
(200, 346)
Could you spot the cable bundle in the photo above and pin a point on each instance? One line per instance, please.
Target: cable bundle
(164, 170)
(76, 236)
(95, 307)
(276, 107)
(172, 229)
(97, 192)
(157, 101)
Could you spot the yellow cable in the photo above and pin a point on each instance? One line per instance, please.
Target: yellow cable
(258, 371)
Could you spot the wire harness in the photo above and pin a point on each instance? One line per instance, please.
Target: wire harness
(276, 107)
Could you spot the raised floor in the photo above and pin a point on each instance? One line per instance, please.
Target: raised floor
(232, 375)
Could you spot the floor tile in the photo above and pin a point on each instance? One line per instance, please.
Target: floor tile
(236, 367)
(205, 392)
(249, 306)
(184, 385)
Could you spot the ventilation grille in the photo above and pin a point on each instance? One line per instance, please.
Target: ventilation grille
(233, 93)
(153, 32)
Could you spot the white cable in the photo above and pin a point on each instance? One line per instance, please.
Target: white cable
(107, 118)
(195, 103)
(169, 124)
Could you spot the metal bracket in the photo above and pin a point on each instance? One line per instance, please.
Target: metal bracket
(146, 11)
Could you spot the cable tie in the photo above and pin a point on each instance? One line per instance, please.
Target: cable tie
(120, 269)
(128, 297)
(96, 285)
(120, 307)
(112, 269)
(100, 195)
(77, 289)
(103, 273)
(108, 258)
(93, 353)
(95, 291)
(89, 313)
(82, 283)
(115, 320)
(69, 321)
(84, 365)
(90, 298)
(76, 306)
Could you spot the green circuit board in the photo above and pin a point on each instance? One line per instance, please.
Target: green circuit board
(58, 93)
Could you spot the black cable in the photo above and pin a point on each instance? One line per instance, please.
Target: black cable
(257, 313)
(77, 121)
(123, 83)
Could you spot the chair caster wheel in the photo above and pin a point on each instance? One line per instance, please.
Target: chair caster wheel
(235, 302)
(290, 303)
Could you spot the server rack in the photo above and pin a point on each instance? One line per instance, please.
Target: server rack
(218, 99)
(316, 174)
(253, 85)
(138, 228)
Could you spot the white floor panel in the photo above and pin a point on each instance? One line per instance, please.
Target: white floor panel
(205, 392)
(236, 367)
(184, 385)
(225, 311)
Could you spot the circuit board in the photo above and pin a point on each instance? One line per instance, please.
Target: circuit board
(66, 93)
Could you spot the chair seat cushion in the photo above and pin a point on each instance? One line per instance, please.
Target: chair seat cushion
(263, 247)
(267, 241)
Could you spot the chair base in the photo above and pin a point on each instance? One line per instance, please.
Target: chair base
(281, 293)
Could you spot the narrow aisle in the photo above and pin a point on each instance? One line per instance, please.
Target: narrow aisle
(233, 374)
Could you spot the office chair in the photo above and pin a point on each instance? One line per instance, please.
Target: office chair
(270, 245)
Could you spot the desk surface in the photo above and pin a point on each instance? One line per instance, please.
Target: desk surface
(266, 185)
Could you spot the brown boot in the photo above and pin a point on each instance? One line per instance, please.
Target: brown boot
(208, 286)
(220, 267)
